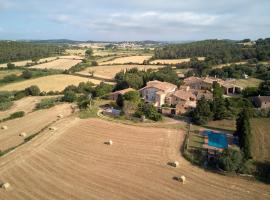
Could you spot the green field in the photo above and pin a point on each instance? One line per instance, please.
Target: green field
(4, 73)
(250, 82)
(261, 139)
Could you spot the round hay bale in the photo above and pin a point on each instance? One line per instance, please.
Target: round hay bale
(22, 134)
(175, 164)
(4, 127)
(182, 179)
(110, 142)
(60, 116)
(5, 186)
(52, 128)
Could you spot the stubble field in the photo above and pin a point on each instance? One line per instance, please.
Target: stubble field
(109, 71)
(74, 163)
(48, 83)
(126, 60)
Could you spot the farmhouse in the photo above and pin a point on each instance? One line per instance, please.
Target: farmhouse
(114, 95)
(261, 101)
(206, 83)
(155, 92)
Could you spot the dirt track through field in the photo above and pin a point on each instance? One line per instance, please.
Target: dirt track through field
(74, 163)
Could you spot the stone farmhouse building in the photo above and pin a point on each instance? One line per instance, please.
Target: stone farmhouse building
(261, 101)
(206, 83)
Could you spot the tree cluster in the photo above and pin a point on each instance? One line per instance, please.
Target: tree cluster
(216, 51)
(16, 51)
(137, 79)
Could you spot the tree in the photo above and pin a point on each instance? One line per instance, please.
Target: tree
(120, 100)
(69, 96)
(202, 113)
(218, 107)
(102, 89)
(243, 131)
(133, 96)
(86, 88)
(149, 111)
(27, 74)
(72, 88)
(264, 88)
(88, 53)
(230, 160)
(217, 90)
(32, 90)
(129, 108)
(11, 66)
(250, 92)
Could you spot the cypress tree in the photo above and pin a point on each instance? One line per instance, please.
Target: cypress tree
(244, 133)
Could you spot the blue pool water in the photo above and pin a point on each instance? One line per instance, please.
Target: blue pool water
(218, 140)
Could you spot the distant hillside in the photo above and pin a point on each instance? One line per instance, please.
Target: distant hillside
(224, 50)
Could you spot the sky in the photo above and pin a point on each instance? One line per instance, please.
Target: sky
(130, 20)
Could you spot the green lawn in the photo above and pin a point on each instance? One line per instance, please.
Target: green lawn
(250, 82)
(195, 140)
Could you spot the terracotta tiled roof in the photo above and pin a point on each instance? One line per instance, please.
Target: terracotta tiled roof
(263, 98)
(123, 91)
(164, 86)
(184, 95)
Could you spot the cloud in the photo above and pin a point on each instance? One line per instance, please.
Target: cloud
(138, 19)
(151, 20)
(5, 4)
(60, 18)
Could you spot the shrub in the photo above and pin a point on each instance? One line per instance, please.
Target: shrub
(102, 89)
(17, 115)
(5, 105)
(27, 74)
(32, 90)
(149, 111)
(69, 96)
(85, 87)
(94, 63)
(11, 66)
(72, 88)
(84, 102)
(10, 78)
(230, 160)
(19, 95)
(46, 103)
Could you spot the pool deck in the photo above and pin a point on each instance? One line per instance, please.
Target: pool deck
(230, 140)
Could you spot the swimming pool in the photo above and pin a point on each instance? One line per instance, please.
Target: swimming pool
(218, 140)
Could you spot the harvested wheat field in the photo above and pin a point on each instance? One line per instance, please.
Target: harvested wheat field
(109, 71)
(61, 63)
(49, 83)
(29, 124)
(76, 51)
(126, 60)
(26, 104)
(74, 163)
(25, 62)
(173, 61)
